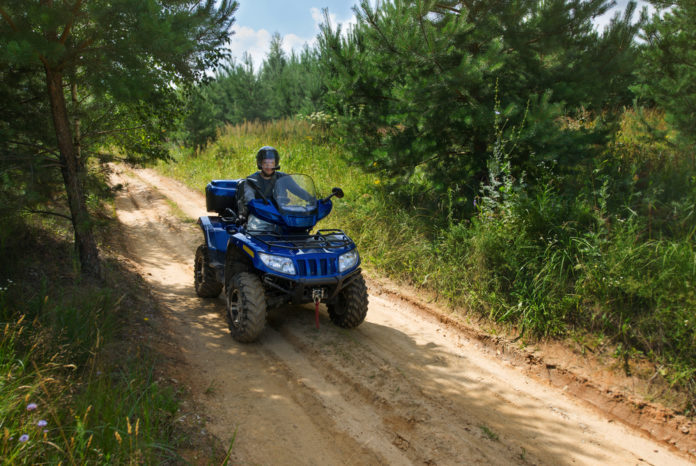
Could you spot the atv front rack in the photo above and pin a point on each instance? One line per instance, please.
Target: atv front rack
(322, 239)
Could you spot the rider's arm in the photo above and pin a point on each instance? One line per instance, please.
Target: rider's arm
(249, 192)
(247, 195)
(299, 192)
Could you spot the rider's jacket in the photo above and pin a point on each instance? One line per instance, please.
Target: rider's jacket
(265, 185)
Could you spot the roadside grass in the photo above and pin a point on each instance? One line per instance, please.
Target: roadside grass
(76, 384)
(612, 261)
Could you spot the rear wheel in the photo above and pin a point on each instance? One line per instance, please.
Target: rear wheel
(246, 307)
(204, 279)
(350, 308)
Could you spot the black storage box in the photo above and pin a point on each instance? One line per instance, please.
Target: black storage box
(220, 195)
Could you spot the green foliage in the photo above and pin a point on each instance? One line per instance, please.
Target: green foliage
(122, 57)
(73, 390)
(667, 75)
(283, 87)
(617, 257)
(417, 84)
(28, 157)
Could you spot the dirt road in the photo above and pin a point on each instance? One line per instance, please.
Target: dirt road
(403, 388)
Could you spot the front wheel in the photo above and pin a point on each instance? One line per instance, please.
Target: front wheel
(350, 308)
(246, 307)
(204, 278)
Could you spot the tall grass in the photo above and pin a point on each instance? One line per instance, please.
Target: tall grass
(73, 390)
(609, 251)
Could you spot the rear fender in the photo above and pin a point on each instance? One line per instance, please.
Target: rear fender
(207, 229)
(216, 237)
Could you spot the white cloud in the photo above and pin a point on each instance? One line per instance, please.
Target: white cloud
(293, 42)
(257, 42)
(318, 17)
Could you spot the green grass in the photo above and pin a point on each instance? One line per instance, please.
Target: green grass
(74, 388)
(608, 251)
(488, 433)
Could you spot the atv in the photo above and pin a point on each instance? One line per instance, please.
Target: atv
(270, 257)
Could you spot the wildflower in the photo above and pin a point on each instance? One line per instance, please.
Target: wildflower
(24, 438)
(31, 406)
(42, 423)
(497, 112)
(146, 319)
(377, 181)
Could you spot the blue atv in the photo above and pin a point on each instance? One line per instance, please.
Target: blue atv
(271, 258)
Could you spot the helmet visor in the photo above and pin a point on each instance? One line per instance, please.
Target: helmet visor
(268, 163)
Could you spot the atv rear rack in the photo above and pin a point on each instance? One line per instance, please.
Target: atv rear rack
(322, 239)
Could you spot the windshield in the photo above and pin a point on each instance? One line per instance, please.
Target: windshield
(295, 195)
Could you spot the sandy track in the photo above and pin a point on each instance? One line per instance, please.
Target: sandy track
(403, 388)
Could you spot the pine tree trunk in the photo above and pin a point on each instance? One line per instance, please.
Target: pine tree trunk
(70, 168)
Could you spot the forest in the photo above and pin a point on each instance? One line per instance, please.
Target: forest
(522, 164)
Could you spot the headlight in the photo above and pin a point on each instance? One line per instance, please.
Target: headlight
(347, 260)
(278, 263)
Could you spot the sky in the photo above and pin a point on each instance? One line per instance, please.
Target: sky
(297, 22)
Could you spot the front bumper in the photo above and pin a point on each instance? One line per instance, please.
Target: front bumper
(300, 290)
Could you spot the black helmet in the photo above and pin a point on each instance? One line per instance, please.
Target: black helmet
(267, 152)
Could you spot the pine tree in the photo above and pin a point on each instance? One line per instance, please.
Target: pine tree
(668, 70)
(424, 86)
(274, 78)
(283, 87)
(107, 70)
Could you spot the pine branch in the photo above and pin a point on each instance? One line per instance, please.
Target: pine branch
(8, 20)
(461, 97)
(47, 212)
(41, 150)
(117, 130)
(68, 27)
(448, 8)
(373, 22)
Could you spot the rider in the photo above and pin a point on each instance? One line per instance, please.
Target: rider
(260, 184)
(268, 162)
